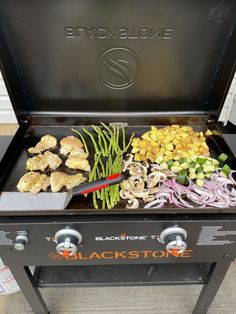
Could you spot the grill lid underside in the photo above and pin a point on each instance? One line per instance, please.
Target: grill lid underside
(68, 58)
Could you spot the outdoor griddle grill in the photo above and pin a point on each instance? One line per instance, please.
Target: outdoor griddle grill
(79, 62)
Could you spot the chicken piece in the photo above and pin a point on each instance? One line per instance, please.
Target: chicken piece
(46, 142)
(76, 162)
(78, 152)
(42, 161)
(33, 182)
(59, 179)
(53, 160)
(69, 143)
(38, 162)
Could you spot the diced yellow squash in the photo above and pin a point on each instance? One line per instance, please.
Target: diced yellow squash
(143, 151)
(135, 150)
(143, 157)
(169, 146)
(142, 144)
(159, 159)
(208, 133)
(151, 156)
(137, 157)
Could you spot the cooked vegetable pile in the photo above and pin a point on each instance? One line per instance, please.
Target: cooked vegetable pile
(109, 144)
(171, 142)
(169, 165)
(157, 186)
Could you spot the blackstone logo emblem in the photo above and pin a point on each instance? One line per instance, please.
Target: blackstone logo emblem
(122, 237)
(118, 67)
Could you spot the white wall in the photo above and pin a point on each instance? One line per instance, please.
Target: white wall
(228, 112)
(6, 113)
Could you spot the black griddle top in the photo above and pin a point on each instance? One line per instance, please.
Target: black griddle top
(85, 205)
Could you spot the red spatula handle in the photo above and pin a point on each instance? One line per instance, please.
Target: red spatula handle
(98, 184)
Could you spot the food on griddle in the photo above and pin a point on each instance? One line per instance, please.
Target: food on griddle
(53, 160)
(58, 180)
(69, 143)
(78, 152)
(217, 192)
(109, 146)
(140, 184)
(75, 162)
(156, 185)
(46, 142)
(42, 161)
(38, 162)
(33, 182)
(171, 142)
(78, 160)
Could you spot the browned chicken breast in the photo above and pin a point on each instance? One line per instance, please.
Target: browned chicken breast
(46, 142)
(79, 152)
(69, 143)
(58, 180)
(53, 160)
(42, 161)
(75, 162)
(33, 182)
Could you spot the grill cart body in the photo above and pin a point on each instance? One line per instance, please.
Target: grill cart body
(150, 63)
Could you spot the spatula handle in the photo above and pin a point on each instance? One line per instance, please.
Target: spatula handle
(98, 184)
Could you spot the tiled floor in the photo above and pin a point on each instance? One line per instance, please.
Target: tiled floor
(129, 300)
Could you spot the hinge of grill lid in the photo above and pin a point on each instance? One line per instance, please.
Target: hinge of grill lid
(118, 125)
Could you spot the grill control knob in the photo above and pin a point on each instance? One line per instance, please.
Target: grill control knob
(67, 241)
(173, 238)
(21, 240)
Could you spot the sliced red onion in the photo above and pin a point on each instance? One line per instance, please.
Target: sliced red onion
(159, 203)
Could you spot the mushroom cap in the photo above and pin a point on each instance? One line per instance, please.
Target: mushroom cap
(132, 203)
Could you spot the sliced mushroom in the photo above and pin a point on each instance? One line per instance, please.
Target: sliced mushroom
(136, 184)
(149, 198)
(154, 178)
(146, 164)
(132, 203)
(125, 185)
(141, 194)
(127, 162)
(126, 195)
(136, 168)
(154, 190)
(155, 167)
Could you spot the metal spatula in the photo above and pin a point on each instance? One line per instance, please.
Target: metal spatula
(51, 200)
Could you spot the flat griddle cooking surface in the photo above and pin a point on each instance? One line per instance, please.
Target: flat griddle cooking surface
(83, 205)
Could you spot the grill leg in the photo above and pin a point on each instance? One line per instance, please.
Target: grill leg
(209, 290)
(25, 280)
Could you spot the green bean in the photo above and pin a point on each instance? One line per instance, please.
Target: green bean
(107, 136)
(107, 128)
(128, 145)
(92, 139)
(107, 198)
(95, 203)
(100, 145)
(103, 168)
(114, 148)
(100, 134)
(123, 136)
(82, 139)
(117, 139)
(103, 199)
(93, 172)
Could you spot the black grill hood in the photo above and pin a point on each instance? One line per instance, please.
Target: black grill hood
(77, 57)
